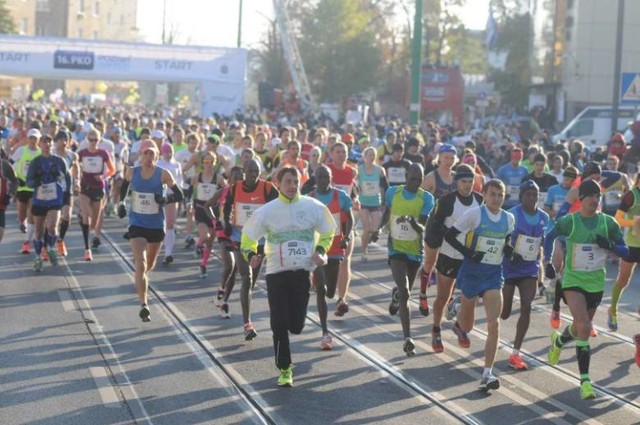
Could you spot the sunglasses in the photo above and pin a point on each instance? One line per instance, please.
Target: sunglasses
(207, 161)
(92, 140)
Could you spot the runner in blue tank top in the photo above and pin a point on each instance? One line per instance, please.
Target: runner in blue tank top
(146, 217)
(523, 269)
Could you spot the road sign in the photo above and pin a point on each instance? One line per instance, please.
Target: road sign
(630, 88)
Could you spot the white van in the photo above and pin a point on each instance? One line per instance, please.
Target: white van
(593, 125)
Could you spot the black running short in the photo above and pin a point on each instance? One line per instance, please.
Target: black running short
(634, 255)
(24, 196)
(515, 281)
(593, 298)
(151, 235)
(3, 221)
(448, 266)
(40, 211)
(93, 193)
(202, 217)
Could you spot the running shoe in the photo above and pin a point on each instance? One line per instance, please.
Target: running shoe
(516, 362)
(489, 382)
(53, 257)
(612, 321)
(554, 351)
(199, 251)
(224, 311)
(593, 332)
(203, 272)
(364, 258)
(62, 248)
(87, 255)
(436, 342)
(189, 242)
(424, 306)
(409, 347)
(452, 308)
(285, 379)
(586, 391)
(341, 308)
(44, 255)
(37, 265)
(555, 319)
(26, 247)
(23, 228)
(145, 314)
(463, 338)
(249, 331)
(168, 260)
(637, 341)
(327, 342)
(219, 296)
(95, 242)
(393, 305)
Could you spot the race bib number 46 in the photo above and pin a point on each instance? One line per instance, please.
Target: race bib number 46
(144, 203)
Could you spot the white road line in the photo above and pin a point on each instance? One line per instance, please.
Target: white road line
(105, 389)
(65, 299)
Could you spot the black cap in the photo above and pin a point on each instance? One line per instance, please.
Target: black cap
(590, 169)
(589, 188)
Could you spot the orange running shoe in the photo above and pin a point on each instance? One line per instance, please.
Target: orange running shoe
(26, 247)
(516, 362)
(594, 332)
(62, 248)
(555, 319)
(44, 255)
(87, 255)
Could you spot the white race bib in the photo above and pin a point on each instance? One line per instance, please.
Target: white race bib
(144, 203)
(542, 198)
(588, 257)
(528, 247)
(557, 205)
(92, 164)
(396, 175)
(371, 188)
(338, 229)
(295, 254)
(206, 191)
(612, 198)
(402, 231)
(492, 249)
(243, 212)
(345, 187)
(514, 192)
(46, 192)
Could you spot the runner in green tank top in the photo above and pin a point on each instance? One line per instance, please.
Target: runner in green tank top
(590, 234)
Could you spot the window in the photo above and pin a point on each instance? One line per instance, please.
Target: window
(109, 18)
(95, 34)
(24, 26)
(582, 128)
(42, 6)
(80, 6)
(80, 33)
(96, 8)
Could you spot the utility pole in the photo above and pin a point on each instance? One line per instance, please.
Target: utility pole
(416, 64)
(617, 67)
(164, 21)
(240, 25)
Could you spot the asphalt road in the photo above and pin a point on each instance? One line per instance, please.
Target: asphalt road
(72, 350)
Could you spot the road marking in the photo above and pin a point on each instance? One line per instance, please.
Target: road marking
(65, 299)
(105, 389)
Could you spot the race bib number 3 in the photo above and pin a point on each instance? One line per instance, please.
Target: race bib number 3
(588, 257)
(47, 192)
(528, 247)
(144, 203)
(492, 249)
(92, 164)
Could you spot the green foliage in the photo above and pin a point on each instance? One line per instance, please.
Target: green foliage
(7, 25)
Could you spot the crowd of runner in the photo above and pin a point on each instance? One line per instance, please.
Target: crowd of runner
(486, 212)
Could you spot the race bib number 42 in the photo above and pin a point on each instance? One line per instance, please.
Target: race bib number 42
(492, 249)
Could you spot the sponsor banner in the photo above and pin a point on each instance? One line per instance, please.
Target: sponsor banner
(221, 98)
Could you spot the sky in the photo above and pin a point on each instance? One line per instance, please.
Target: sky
(215, 22)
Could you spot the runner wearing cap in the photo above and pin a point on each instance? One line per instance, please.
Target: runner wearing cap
(486, 231)
(407, 209)
(70, 158)
(96, 167)
(523, 268)
(589, 235)
(45, 174)
(21, 159)
(169, 163)
(146, 215)
(448, 210)
(439, 183)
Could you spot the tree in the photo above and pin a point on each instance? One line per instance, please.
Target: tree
(7, 25)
